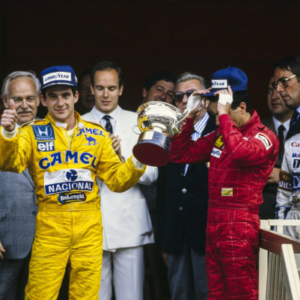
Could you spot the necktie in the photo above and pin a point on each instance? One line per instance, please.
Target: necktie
(108, 125)
(294, 118)
(294, 125)
(281, 129)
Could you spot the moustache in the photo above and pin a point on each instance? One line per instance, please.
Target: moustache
(21, 110)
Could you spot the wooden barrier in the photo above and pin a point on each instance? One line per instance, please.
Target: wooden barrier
(278, 271)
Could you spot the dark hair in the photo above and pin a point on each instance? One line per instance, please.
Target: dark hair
(157, 76)
(82, 75)
(107, 65)
(290, 63)
(73, 88)
(238, 98)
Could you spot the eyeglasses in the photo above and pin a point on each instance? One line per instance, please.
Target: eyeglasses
(179, 95)
(283, 81)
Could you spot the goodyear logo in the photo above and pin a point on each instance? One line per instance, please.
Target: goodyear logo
(65, 76)
(219, 83)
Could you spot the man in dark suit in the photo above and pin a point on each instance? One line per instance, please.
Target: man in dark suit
(17, 195)
(279, 123)
(182, 207)
(286, 82)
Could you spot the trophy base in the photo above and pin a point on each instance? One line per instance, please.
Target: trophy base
(152, 149)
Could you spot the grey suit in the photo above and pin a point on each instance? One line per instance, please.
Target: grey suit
(17, 227)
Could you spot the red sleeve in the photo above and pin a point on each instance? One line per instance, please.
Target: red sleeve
(184, 150)
(247, 151)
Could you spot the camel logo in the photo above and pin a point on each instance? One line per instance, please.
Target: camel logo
(91, 140)
(43, 132)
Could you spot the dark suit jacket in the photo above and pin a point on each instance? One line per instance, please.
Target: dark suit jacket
(267, 208)
(294, 125)
(182, 204)
(17, 213)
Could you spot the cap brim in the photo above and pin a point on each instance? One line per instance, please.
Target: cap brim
(59, 83)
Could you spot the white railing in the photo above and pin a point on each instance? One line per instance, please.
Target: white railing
(279, 262)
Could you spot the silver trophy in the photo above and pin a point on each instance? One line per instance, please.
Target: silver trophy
(158, 121)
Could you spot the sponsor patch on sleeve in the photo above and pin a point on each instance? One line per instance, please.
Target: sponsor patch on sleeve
(227, 192)
(285, 181)
(216, 152)
(265, 139)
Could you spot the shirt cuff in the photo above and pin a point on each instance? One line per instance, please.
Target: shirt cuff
(137, 163)
(9, 134)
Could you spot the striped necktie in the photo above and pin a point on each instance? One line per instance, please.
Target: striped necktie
(108, 125)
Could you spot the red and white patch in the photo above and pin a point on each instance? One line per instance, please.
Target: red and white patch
(265, 139)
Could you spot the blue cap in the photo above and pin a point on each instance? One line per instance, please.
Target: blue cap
(58, 75)
(232, 76)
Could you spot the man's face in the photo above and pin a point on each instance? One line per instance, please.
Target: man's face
(184, 86)
(291, 93)
(60, 102)
(160, 91)
(23, 91)
(106, 90)
(234, 114)
(86, 97)
(275, 103)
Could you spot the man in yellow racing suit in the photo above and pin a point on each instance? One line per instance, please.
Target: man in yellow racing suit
(64, 154)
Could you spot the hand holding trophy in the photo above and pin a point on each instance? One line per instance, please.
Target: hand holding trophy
(158, 121)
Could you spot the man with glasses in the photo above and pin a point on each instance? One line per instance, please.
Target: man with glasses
(242, 153)
(182, 207)
(286, 83)
(286, 75)
(279, 123)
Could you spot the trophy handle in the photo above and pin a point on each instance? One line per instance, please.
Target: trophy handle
(133, 129)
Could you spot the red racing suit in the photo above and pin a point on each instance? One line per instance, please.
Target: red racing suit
(241, 160)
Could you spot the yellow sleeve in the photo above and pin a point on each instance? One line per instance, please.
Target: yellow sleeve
(118, 176)
(15, 151)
